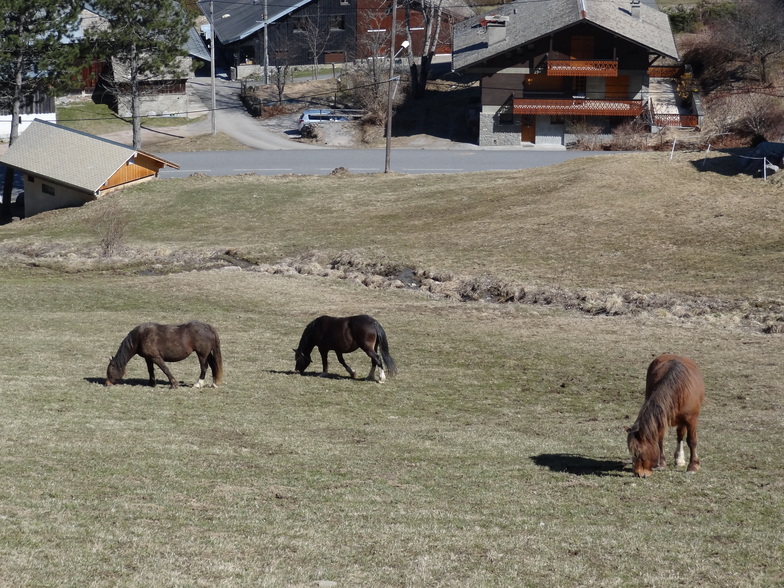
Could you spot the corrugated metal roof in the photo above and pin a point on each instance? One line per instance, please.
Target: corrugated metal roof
(530, 20)
(236, 20)
(69, 157)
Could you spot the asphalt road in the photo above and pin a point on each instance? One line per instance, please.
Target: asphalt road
(324, 161)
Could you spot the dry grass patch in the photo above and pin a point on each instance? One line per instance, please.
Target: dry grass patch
(206, 142)
(496, 458)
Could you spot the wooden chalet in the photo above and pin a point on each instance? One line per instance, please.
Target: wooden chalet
(63, 167)
(550, 67)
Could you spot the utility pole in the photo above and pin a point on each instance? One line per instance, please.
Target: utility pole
(266, 45)
(212, 68)
(387, 168)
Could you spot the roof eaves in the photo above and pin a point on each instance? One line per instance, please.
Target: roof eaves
(256, 26)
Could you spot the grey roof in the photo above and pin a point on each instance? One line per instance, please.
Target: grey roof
(196, 46)
(69, 157)
(236, 20)
(530, 20)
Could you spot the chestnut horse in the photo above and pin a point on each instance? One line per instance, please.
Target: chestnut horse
(161, 343)
(674, 391)
(344, 335)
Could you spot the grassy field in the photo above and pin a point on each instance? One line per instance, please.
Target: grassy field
(99, 119)
(497, 457)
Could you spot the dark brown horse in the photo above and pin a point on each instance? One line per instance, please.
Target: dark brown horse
(158, 344)
(674, 391)
(344, 335)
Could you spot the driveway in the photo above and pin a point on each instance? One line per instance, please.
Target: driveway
(233, 119)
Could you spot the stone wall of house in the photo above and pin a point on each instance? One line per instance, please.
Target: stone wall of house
(493, 134)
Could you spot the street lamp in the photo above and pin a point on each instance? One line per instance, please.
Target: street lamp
(403, 45)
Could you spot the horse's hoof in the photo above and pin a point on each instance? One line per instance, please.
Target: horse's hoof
(322, 375)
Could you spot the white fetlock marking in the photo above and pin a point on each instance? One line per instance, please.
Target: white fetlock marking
(680, 458)
(381, 376)
(199, 384)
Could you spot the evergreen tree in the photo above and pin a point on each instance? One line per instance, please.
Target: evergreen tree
(144, 40)
(38, 52)
(37, 56)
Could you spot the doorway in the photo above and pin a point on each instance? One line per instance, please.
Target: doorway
(528, 128)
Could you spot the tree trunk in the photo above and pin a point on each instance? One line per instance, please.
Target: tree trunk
(16, 101)
(136, 110)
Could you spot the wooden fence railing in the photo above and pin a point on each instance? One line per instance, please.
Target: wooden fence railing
(605, 68)
(577, 107)
(675, 120)
(665, 71)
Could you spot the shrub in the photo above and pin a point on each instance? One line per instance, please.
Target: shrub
(109, 224)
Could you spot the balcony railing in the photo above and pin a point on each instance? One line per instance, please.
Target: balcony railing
(676, 120)
(604, 68)
(665, 71)
(578, 106)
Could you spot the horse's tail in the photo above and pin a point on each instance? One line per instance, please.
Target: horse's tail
(383, 344)
(216, 361)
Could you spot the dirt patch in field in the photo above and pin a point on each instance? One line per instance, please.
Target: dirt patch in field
(766, 316)
(349, 265)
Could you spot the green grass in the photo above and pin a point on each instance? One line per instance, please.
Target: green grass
(98, 119)
(497, 456)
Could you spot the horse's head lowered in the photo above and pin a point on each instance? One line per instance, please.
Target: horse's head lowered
(645, 452)
(113, 372)
(302, 361)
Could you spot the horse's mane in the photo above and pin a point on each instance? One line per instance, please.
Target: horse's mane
(662, 402)
(127, 349)
(306, 341)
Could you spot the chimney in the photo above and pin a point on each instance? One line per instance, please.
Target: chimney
(496, 28)
(635, 9)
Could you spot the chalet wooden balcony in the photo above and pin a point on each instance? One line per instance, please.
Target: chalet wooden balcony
(577, 106)
(602, 68)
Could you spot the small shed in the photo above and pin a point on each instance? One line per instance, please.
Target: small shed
(63, 167)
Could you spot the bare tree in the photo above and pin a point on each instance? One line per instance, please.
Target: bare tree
(762, 116)
(281, 60)
(432, 16)
(372, 71)
(755, 32)
(315, 30)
